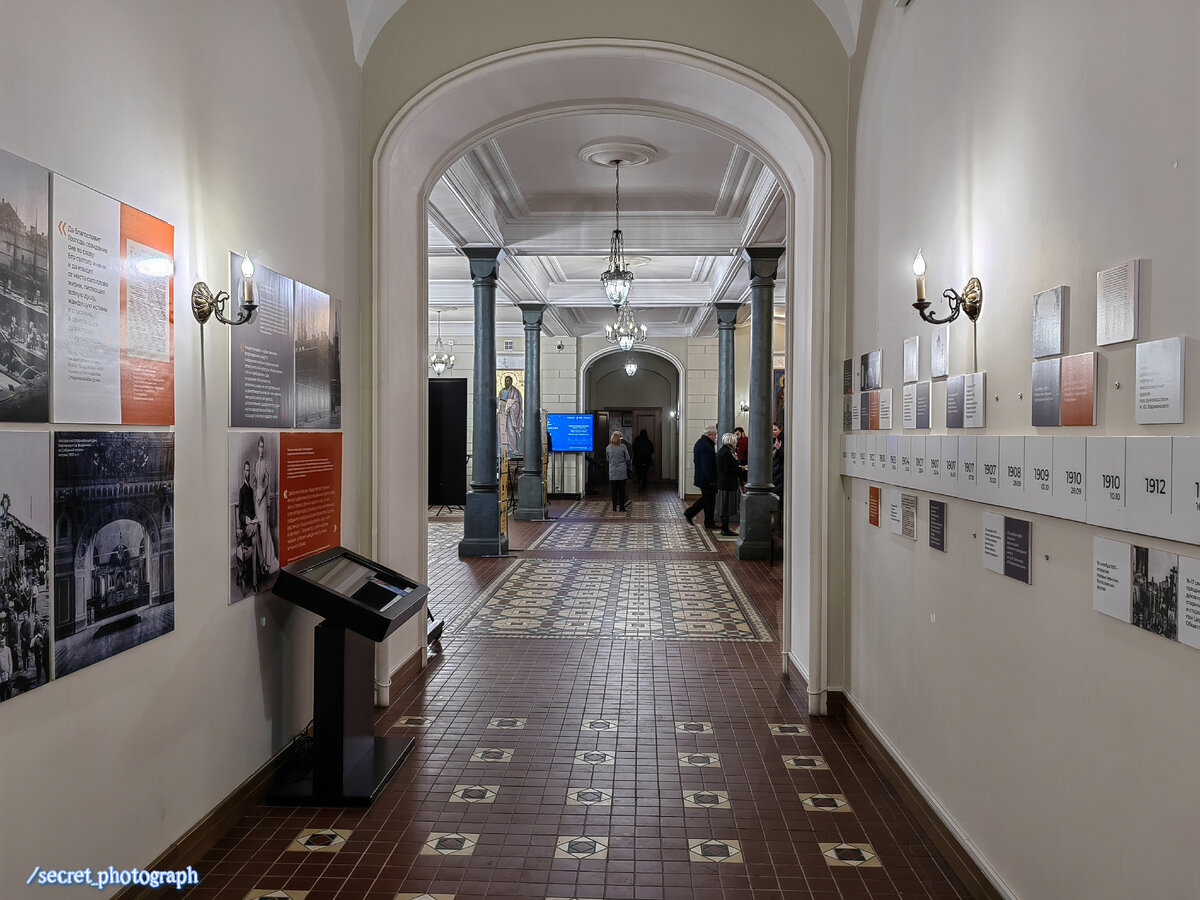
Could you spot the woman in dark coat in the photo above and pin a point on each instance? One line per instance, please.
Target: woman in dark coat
(729, 485)
(643, 456)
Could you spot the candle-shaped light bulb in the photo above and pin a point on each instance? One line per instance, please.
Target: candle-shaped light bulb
(247, 282)
(919, 271)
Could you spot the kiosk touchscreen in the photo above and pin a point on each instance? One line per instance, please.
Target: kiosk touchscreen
(362, 603)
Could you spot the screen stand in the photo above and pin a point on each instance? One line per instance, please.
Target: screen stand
(350, 764)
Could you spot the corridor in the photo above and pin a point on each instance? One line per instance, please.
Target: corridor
(606, 720)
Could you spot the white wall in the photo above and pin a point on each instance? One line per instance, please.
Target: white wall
(1030, 144)
(239, 124)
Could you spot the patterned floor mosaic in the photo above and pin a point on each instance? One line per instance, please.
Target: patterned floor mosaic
(444, 537)
(627, 536)
(661, 506)
(634, 600)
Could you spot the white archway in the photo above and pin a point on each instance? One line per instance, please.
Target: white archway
(680, 403)
(503, 91)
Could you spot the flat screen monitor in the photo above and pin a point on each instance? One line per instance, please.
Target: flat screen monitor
(571, 431)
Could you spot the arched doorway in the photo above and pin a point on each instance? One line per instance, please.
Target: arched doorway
(673, 412)
(503, 91)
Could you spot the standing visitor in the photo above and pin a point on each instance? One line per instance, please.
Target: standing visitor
(704, 459)
(643, 456)
(729, 483)
(619, 465)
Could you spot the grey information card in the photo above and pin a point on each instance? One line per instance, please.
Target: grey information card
(954, 401)
(1117, 304)
(1047, 393)
(1049, 318)
(1160, 382)
(923, 404)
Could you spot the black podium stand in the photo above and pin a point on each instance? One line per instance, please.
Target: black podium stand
(362, 603)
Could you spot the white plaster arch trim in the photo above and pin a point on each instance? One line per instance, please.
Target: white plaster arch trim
(481, 99)
(680, 399)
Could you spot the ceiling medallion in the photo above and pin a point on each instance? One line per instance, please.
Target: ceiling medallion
(610, 154)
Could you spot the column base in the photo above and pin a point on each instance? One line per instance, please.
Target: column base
(529, 498)
(481, 526)
(754, 536)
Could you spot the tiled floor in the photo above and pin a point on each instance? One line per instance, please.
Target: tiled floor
(596, 767)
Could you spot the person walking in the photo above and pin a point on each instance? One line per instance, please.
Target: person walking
(643, 456)
(620, 463)
(729, 483)
(704, 459)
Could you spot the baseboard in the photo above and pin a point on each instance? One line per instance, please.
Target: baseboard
(977, 875)
(405, 672)
(203, 836)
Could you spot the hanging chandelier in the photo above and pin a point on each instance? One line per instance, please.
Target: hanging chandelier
(630, 367)
(617, 279)
(439, 359)
(626, 332)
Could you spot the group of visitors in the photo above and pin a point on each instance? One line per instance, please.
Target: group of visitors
(721, 474)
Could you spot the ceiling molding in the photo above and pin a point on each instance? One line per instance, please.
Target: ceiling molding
(489, 159)
(368, 17)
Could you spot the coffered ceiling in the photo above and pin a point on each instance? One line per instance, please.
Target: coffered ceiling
(685, 215)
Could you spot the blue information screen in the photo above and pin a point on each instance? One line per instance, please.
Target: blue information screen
(570, 431)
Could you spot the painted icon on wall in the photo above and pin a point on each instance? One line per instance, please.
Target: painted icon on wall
(511, 410)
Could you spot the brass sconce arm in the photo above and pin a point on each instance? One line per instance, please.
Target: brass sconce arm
(205, 304)
(970, 301)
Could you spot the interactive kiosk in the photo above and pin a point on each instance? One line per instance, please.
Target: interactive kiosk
(362, 603)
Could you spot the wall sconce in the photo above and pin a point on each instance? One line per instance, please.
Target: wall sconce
(745, 406)
(969, 302)
(204, 304)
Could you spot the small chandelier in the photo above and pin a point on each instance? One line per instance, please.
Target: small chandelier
(439, 359)
(617, 279)
(630, 368)
(626, 332)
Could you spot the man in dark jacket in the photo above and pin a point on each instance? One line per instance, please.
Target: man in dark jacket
(704, 456)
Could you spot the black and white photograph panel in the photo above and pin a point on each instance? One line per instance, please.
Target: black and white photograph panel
(253, 512)
(114, 543)
(318, 359)
(24, 562)
(1154, 590)
(24, 290)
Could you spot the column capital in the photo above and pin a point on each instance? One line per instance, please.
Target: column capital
(532, 314)
(485, 261)
(727, 312)
(763, 261)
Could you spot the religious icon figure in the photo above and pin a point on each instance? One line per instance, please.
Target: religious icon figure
(512, 415)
